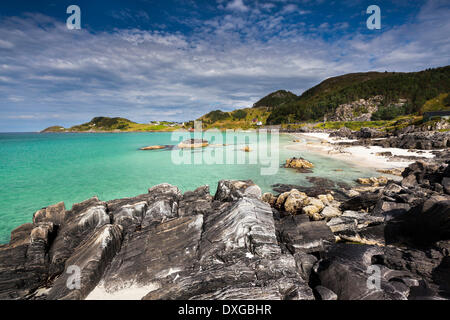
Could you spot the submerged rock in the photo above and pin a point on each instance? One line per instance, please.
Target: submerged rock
(157, 147)
(193, 144)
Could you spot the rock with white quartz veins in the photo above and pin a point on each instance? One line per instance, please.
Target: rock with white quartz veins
(90, 259)
(231, 190)
(239, 258)
(79, 223)
(24, 261)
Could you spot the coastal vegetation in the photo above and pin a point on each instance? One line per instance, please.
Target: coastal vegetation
(439, 103)
(276, 99)
(239, 119)
(416, 88)
(106, 124)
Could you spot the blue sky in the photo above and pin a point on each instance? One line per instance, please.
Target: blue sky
(176, 60)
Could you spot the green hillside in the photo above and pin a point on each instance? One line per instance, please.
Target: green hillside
(415, 87)
(439, 103)
(238, 119)
(106, 124)
(276, 99)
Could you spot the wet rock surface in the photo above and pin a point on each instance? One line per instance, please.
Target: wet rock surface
(334, 243)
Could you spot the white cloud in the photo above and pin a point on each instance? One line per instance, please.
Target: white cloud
(5, 44)
(237, 5)
(228, 62)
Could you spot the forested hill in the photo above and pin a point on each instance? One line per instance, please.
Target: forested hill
(415, 87)
(276, 99)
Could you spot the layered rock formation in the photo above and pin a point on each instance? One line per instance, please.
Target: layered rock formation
(360, 110)
(387, 242)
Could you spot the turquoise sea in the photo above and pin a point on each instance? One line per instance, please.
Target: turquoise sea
(37, 170)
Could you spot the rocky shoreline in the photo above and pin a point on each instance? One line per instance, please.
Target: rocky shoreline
(387, 152)
(321, 243)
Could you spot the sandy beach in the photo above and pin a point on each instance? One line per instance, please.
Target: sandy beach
(323, 144)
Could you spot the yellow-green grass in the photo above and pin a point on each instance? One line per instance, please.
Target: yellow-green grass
(232, 123)
(436, 104)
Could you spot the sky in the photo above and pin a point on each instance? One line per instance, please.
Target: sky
(179, 59)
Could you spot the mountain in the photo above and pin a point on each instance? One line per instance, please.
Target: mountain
(276, 99)
(414, 88)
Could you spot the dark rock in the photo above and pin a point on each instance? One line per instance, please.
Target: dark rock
(358, 227)
(419, 140)
(369, 133)
(422, 225)
(299, 234)
(343, 132)
(305, 263)
(446, 184)
(346, 268)
(80, 222)
(365, 201)
(159, 204)
(24, 261)
(409, 181)
(430, 265)
(248, 265)
(325, 293)
(90, 258)
(231, 190)
(195, 202)
(154, 252)
(389, 209)
(21, 234)
(55, 214)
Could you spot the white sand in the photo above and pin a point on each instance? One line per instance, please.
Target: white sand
(131, 291)
(321, 143)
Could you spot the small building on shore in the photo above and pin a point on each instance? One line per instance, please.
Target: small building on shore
(427, 116)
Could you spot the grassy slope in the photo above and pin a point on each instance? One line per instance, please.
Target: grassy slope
(232, 123)
(436, 104)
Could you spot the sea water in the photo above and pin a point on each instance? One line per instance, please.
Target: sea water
(37, 170)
